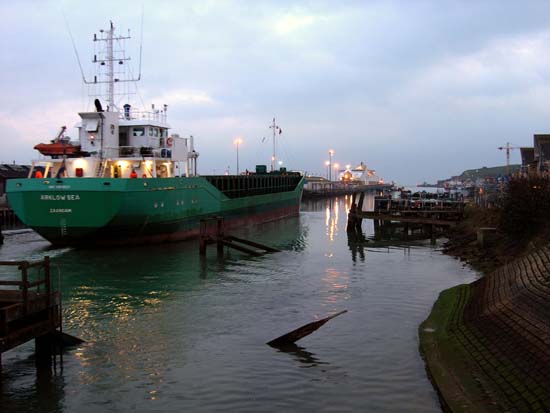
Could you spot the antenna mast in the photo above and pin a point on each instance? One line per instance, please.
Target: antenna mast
(108, 59)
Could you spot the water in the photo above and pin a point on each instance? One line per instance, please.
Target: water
(167, 330)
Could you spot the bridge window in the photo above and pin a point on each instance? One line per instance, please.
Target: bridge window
(138, 131)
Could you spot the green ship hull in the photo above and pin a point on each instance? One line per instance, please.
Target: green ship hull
(110, 211)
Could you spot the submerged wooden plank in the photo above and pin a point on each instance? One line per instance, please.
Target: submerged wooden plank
(252, 243)
(301, 332)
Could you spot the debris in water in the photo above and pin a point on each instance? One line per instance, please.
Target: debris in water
(301, 332)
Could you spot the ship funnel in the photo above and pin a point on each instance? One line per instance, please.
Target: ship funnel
(98, 106)
(127, 108)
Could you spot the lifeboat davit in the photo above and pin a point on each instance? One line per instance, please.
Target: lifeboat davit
(57, 149)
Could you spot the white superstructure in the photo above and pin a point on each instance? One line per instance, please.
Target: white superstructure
(117, 142)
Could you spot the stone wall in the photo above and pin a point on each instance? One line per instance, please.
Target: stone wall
(498, 333)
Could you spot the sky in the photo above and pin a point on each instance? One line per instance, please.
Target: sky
(417, 90)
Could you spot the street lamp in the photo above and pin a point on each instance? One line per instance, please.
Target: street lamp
(237, 142)
(330, 153)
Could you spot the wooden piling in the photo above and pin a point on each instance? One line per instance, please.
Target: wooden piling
(354, 217)
(219, 235)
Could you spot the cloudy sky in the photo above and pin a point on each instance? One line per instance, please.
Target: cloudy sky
(418, 90)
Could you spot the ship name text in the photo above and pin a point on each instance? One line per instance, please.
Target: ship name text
(60, 197)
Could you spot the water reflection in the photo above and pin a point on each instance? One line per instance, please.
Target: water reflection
(27, 385)
(356, 245)
(301, 355)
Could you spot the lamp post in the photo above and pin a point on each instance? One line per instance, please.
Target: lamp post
(330, 153)
(336, 166)
(237, 142)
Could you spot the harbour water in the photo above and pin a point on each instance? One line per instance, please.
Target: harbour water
(166, 329)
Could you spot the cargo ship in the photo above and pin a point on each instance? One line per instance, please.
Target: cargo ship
(128, 180)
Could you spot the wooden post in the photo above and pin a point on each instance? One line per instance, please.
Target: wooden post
(360, 203)
(202, 246)
(352, 217)
(219, 235)
(25, 281)
(47, 277)
(43, 348)
(202, 237)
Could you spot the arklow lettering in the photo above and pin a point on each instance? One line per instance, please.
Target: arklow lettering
(59, 197)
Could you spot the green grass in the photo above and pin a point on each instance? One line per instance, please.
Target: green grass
(450, 368)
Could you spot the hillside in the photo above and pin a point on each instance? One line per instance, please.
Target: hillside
(488, 172)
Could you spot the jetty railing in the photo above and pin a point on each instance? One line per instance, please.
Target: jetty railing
(416, 205)
(32, 309)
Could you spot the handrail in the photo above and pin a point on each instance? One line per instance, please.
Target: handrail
(25, 284)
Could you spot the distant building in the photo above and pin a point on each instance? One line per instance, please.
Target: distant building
(528, 161)
(316, 183)
(541, 143)
(359, 175)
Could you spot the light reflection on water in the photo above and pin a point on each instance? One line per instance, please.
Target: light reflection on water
(168, 330)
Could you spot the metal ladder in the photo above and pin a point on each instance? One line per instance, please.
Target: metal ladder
(100, 170)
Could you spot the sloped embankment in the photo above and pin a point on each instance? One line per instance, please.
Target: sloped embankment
(487, 344)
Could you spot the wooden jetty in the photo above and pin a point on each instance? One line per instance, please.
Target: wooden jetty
(212, 231)
(32, 311)
(422, 211)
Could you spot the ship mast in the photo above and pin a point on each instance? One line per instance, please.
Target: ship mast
(108, 59)
(276, 130)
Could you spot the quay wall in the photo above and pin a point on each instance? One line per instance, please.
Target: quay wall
(487, 344)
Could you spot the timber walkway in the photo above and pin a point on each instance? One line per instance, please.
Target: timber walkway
(29, 309)
(501, 326)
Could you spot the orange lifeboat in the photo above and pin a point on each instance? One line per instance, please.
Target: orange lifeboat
(57, 149)
(59, 146)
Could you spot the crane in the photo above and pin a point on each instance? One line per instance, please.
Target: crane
(508, 149)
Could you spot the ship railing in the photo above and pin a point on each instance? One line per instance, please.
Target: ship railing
(136, 152)
(155, 115)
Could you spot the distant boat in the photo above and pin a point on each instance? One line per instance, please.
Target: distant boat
(128, 180)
